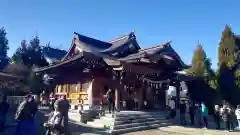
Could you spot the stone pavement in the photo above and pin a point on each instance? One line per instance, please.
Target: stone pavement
(41, 117)
(77, 128)
(179, 130)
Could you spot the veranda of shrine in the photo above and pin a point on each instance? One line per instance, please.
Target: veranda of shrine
(140, 77)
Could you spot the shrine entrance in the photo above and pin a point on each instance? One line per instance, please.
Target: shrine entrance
(130, 98)
(145, 98)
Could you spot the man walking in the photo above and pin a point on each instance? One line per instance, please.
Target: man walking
(64, 106)
(4, 106)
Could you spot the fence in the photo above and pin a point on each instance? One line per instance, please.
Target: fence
(15, 100)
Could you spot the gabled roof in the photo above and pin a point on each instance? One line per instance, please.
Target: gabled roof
(93, 42)
(120, 44)
(117, 43)
(106, 50)
(154, 53)
(144, 52)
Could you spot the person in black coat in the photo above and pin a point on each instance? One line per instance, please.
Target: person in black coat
(226, 117)
(110, 97)
(191, 113)
(4, 106)
(217, 116)
(182, 108)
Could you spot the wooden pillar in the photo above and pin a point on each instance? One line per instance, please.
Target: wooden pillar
(117, 100)
(177, 92)
(90, 93)
(140, 103)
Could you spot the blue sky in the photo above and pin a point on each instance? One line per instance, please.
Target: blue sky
(185, 22)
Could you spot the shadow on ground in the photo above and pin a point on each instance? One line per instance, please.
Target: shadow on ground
(80, 128)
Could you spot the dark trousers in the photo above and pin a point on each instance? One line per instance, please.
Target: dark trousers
(205, 121)
(172, 114)
(217, 122)
(191, 114)
(111, 106)
(25, 127)
(229, 125)
(2, 122)
(182, 118)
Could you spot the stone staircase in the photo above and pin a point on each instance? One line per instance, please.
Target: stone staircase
(130, 121)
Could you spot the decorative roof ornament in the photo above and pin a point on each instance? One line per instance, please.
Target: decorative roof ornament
(46, 79)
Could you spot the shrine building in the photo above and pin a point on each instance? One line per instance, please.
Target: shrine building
(139, 77)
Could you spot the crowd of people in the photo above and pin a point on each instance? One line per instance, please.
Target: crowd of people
(225, 117)
(57, 123)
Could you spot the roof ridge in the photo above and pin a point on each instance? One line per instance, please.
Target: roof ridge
(161, 45)
(93, 38)
(119, 38)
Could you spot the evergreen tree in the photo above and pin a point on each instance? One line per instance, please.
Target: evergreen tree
(199, 62)
(227, 48)
(227, 61)
(30, 54)
(4, 59)
(34, 55)
(18, 55)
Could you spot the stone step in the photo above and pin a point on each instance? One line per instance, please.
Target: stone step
(140, 117)
(137, 124)
(137, 114)
(137, 120)
(138, 128)
(96, 125)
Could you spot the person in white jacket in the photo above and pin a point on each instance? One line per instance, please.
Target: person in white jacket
(237, 113)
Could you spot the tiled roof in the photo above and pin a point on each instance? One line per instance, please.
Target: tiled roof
(106, 50)
(148, 51)
(123, 43)
(93, 42)
(117, 47)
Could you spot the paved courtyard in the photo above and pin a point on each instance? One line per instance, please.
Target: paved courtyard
(81, 129)
(41, 117)
(178, 130)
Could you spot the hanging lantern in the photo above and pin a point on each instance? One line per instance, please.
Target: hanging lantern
(124, 104)
(145, 103)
